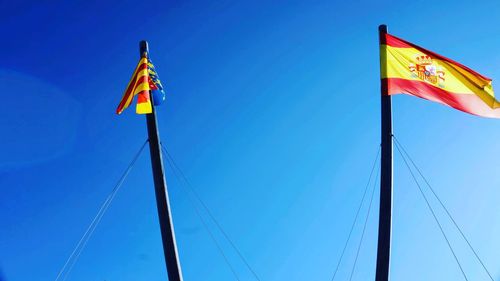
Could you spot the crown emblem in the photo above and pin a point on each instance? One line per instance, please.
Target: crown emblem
(424, 60)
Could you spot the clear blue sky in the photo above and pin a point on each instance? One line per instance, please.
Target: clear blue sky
(273, 114)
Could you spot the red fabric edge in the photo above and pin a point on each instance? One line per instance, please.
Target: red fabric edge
(469, 103)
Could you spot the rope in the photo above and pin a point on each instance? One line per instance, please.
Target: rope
(364, 227)
(189, 186)
(446, 209)
(75, 254)
(432, 212)
(357, 214)
(205, 225)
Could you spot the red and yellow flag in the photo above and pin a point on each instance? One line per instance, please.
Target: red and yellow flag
(410, 69)
(138, 86)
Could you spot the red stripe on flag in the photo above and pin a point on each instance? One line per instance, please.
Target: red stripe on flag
(142, 79)
(469, 103)
(142, 97)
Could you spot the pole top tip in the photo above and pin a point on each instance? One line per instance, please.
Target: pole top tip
(143, 47)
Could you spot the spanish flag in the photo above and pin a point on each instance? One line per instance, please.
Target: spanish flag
(413, 70)
(138, 86)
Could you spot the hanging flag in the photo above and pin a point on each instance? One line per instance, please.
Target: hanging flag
(410, 69)
(144, 80)
(138, 85)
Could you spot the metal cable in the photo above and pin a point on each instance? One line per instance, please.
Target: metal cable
(433, 213)
(205, 225)
(364, 227)
(357, 214)
(446, 209)
(75, 254)
(79, 252)
(205, 207)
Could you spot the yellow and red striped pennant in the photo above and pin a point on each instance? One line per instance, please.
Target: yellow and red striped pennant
(138, 86)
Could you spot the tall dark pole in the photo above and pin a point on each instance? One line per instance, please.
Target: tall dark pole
(385, 215)
(162, 202)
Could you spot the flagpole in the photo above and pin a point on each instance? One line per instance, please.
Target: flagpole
(385, 214)
(164, 215)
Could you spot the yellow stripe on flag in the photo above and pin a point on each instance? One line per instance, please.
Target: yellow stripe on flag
(144, 108)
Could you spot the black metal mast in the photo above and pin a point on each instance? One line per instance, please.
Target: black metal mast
(162, 202)
(385, 214)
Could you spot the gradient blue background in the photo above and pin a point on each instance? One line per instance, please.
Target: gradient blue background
(272, 112)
